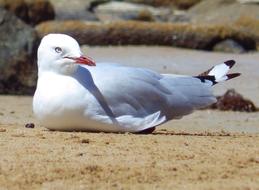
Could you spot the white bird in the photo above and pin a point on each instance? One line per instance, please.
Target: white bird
(75, 95)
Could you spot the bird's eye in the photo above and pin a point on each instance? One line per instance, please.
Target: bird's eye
(58, 49)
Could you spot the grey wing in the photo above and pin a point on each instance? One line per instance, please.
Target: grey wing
(130, 91)
(140, 92)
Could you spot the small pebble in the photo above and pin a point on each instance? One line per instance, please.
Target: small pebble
(30, 125)
(80, 154)
(2, 130)
(163, 129)
(256, 160)
(85, 141)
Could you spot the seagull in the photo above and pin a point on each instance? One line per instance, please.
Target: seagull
(76, 94)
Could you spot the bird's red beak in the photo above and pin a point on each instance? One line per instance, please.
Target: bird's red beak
(83, 60)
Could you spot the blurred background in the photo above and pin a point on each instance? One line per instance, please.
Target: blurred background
(226, 26)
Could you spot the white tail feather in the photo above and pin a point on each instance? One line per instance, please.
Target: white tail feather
(219, 72)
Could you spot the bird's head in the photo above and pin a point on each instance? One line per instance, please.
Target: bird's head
(61, 53)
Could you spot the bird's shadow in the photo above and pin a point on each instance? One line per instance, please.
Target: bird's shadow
(84, 77)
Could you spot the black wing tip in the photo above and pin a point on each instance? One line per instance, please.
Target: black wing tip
(230, 63)
(233, 75)
(213, 79)
(207, 77)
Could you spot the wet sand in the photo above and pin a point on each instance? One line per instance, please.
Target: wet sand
(205, 150)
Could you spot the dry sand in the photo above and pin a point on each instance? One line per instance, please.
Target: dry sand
(205, 150)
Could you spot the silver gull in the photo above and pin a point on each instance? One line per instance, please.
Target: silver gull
(75, 94)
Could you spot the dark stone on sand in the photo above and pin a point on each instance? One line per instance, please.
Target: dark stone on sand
(233, 101)
(2, 130)
(85, 141)
(18, 45)
(30, 125)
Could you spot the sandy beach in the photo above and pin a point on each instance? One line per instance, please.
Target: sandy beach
(206, 150)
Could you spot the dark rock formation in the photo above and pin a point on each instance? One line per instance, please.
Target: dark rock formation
(18, 7)
(18, 43)
(39, 10)
(138, 33)
(30, 11)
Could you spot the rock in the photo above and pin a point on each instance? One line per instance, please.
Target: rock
(18, 43)
(74, 10)
(87, 141)
(18, 7)
(221, 11)
(29, 125)
(2, 130)
(249, 26)
(244, 17)
(180, 4)
(115, 11)
(233, 101)
(39, 10)
(147, 33)
(95, 3)
(179, 16)
(229, 46)
(30, 11)
(248, 1)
